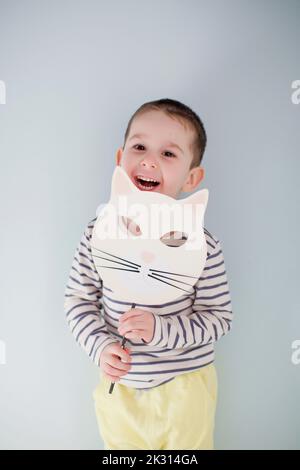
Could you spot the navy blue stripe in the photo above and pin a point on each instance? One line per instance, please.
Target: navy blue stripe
(194, 322)
(122, 311)
(85, 266)
(203, 278)
(209, 244)
(183, 329)
(85, 275)
(82, 283)
(147, 305)
(212, 296)
(86, 302)
(85, 246)
(84, 328)
(216, 310)
(89, 312)
(176, 341)
(211, 287)
(210, 306)
(216, 254)
(92, 333)
(91, 351)
(166, 371)
(213, 266)
(80, 320)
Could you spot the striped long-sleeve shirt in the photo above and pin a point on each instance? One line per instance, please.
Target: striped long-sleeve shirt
(185, 329)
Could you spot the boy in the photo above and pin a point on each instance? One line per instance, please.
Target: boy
(163, 148)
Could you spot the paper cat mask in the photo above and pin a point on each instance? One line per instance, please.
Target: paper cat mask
(149, 248)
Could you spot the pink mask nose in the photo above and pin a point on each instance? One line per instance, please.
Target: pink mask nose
(147, 256)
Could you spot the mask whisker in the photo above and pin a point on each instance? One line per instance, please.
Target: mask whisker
(120, 269)
(113, 261)
(169, 283)
(171, 279)
(154, 271)
(114, 256)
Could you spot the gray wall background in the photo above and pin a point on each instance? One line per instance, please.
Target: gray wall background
(75, 71)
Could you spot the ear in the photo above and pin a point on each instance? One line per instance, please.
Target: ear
(199, 197)
(121, 183)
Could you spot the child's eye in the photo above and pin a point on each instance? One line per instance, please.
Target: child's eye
(170, 153)
(139, 145)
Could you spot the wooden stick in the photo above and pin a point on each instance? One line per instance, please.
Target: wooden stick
(123, 347)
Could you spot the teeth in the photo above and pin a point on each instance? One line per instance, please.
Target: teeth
(147, 179)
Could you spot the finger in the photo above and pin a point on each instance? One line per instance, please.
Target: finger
(133, 313)
(114, 372)
(131, 323)
(126, 327)
(118, 351)
(119, 363)
(135, 332)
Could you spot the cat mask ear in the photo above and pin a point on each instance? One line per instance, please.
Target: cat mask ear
(199, 197)
(121, 183)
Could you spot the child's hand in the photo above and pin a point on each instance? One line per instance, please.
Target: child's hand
(137, 324)
(111, 363)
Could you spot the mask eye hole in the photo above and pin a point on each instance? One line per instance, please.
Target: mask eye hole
(130, 226)
(174, 238)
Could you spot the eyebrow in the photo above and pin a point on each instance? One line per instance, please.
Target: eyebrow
(169, 144)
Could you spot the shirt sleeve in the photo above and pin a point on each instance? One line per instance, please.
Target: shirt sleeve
(211, 314)
(82, 301)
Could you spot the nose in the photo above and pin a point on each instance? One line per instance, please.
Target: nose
(150, 164)
(147, 256)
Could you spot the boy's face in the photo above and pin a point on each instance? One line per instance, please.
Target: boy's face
(151, 155)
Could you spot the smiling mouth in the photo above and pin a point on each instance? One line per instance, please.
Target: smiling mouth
(146, 184)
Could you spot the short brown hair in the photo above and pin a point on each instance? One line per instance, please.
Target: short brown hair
(185, 115)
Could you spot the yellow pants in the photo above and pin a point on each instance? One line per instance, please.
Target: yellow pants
(179, 414)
